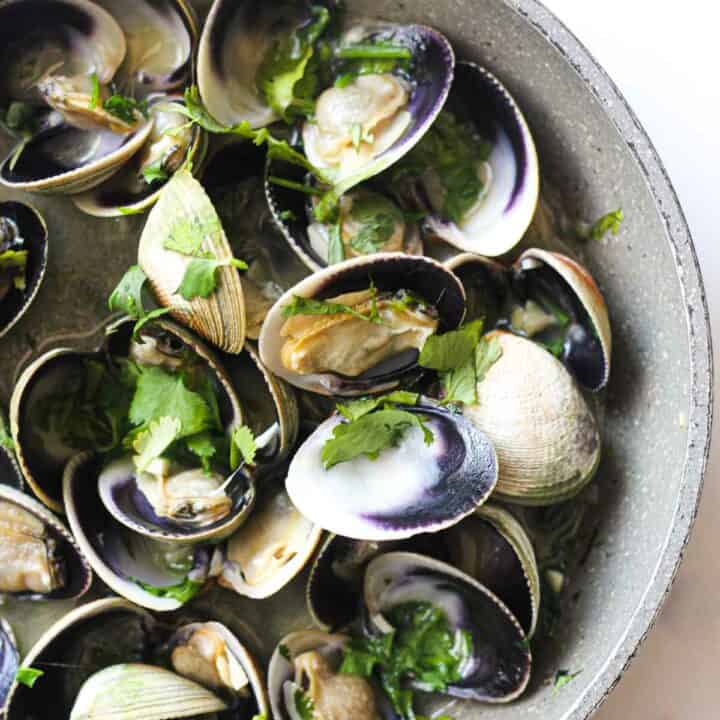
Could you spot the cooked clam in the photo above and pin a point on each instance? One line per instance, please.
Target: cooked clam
(184, 219)
(545, 435)
(39, 559)
(365, 333)
(23, 260)
(434, 486)
(499, 668)
(271, 548)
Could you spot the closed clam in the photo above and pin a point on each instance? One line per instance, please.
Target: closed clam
(185, 219)
(545, 435)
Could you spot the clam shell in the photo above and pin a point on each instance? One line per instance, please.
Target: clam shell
(184, 207)
(544, 433)
(9, 661)
(592, 372)
(78, 572)
(140, 691)
(500, 670)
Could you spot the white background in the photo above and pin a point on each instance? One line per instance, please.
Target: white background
(665, 56)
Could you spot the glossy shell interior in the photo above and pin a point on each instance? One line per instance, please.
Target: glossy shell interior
(655, 430)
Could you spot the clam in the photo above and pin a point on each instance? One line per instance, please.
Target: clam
(112, 659)
(368, 222)
(271, 548)
(64, 82)
(9, 660)
(233, 178)
(395, 303)
(184, 218)
(156, 575)
(23, 260)
(39, 559)
(10, 473)
(501, 171)
(434, 486)
(545, 435)
(489, 545)
(208, 653)
(548, 297)
(44, 441)
(499, 669)
(306, 664)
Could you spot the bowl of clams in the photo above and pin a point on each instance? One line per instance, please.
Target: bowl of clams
(354, 363)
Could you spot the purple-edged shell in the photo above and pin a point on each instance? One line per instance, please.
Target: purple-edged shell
(433, 486)
(499, 669)
(509, 174)
(9, 661)
(126, 561)
(388, 274)
(47, 563)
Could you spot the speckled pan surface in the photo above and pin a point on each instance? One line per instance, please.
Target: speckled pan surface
(658, 406)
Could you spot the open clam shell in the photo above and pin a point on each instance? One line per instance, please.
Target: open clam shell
(88, 638)
(271, 548)
(388, 273)
(434, 486)
(510, 173)
(9, 661)
(135, 567)
(500, 667)
(185, 209)
(545, 435)
(210, 654)
(310, 239)
(327, 649)
(23, 229)
(51, 565)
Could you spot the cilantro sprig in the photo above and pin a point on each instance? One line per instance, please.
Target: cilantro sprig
(15, 262)
(309, 306)
(28, 676)
(373, 425)
(422, 648)
(304, 705)
(183, 592)
(127, 298)
(609, 223)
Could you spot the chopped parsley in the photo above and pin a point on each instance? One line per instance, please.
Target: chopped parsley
(609, 223)
(371, 426)
(452, 150)
(28, 676)
(286, 64)
(422, 648)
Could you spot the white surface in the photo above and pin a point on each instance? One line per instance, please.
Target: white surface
(664, 57)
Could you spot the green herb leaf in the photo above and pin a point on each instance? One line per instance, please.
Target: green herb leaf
(304, 705)
(370, 435)
(378, 219)
(183, 592)
(204, 446)
(355, 409)
(155, 173)
(608, 223)
(243, 447)
(291, 185)
(336, 249)
(95, 95)
(310, 306)
(149, 317)
(284, 66)
(6, 440)
(153, 442)
(374, 51)
(563, 678)
(163, 394)
(284, 651)
(200, 279)
(125, 108)
(28, 676)
(451, 350)
(487, 353)
(16, 262)
(264, 717)
(460, 384)
(127, 296)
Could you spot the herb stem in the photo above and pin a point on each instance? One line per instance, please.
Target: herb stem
(291, 185)
(374, 52)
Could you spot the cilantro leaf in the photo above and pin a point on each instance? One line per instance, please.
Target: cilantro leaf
(460, 384)
(153, 442)
(284, 66)
(163, 394)
(608, 223)
(204, 446)
(310, 306)
(377, 218)
(487, 353)
(125, 108)
(284, 651)
(6, 440)
(451, 350)
(563, 678)
(243, 446)
(155, 172)
(200, 278)
(370, 434)
(28, 676)
(127, 296)
(95, 95)
(149, 317)
(304, 705)
(16, 262)
(355, 409)
(183, 592)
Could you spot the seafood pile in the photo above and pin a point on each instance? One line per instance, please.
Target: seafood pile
(338, 365)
